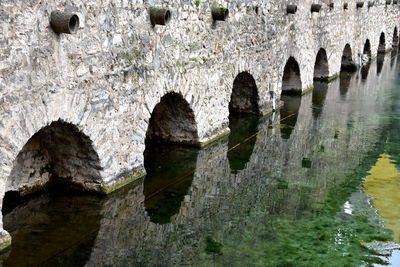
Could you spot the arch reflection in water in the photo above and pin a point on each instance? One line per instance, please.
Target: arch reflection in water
(289, 114)
(393, 56)
(344, 86)
(241, 140)
(169, 176)
(43, 235)
(380, 59)
(365, 71)
(318, 98)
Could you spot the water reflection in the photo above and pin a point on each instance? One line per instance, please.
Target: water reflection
(393, 56)
(49, 225)
(288, 195)
(240, 150)
(289, 114)
(169, 175)
(364, 71)
(344, 86)
(383, 185)
(318, 98)
(379, 62)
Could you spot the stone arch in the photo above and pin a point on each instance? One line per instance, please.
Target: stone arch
(347, 60)
(244, 97)
(321, 66)
(172, 121)
(395, 42)
(291, 81)
(57, 152)
(382, 43)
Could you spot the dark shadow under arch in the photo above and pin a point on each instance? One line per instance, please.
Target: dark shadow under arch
(172, 121)
(58, 152)
(244, 97)
(321, 66)
(347, 64)
(291, 81)
(382, 43)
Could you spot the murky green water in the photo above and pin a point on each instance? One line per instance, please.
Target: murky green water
(304, 187)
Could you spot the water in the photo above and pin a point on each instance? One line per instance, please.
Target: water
(307, 186)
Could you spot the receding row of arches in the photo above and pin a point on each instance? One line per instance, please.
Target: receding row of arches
(61, 150)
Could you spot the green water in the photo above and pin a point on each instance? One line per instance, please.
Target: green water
(283, 190)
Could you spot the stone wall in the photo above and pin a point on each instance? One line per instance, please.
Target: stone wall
(108, 77)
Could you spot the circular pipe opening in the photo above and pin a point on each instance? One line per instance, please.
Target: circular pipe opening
(315, 7)
(291, 9)
(219, 13)
(73, 24)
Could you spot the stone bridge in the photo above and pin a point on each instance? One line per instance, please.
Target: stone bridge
(82, 106)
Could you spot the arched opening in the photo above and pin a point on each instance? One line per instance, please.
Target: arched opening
(347, 60)
(241, 140)
(170, 171)
(244, 98)
(321, 67)
(395, 42)
(291, 81)
(382, 44)
(172, 121)
(58, 153)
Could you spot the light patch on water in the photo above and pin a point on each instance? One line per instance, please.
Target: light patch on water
(348, 208)
(383, 185)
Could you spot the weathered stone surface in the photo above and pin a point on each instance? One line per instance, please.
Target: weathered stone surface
(108, 77)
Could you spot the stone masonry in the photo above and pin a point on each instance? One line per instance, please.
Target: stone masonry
(78, 106)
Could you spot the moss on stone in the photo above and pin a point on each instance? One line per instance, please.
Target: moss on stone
(107, 189)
